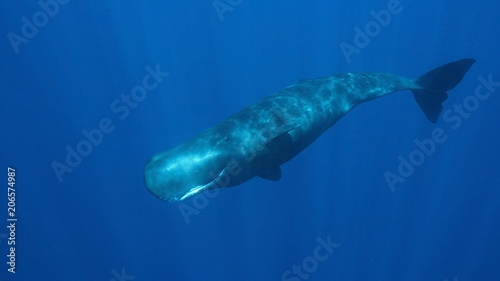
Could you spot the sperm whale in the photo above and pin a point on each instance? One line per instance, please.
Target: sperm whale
(259, 138)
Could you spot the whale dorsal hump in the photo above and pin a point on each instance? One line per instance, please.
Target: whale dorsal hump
(271, 173)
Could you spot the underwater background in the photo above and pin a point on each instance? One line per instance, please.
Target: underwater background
(68, 69)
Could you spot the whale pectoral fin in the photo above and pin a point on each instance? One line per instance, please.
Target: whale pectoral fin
(272, 173)
(289, 133)
(283, 140)
(295, 133)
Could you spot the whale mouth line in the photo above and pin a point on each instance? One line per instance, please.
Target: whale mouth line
(200, 188)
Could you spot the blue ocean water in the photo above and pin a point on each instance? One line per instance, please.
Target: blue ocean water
(78, 142)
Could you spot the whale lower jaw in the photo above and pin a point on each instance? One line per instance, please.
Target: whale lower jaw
(200, 188)
(195, 190)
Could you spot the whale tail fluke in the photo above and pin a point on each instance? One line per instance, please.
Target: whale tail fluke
(435, 83)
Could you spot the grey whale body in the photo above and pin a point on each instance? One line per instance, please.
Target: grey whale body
(259, 138)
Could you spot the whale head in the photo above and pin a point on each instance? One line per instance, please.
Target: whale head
(184, 171)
